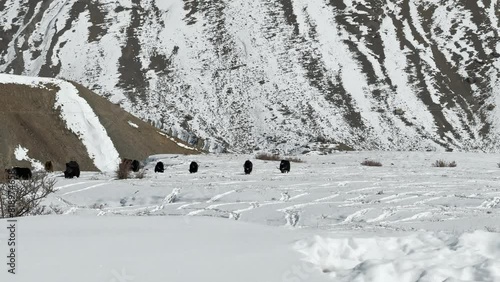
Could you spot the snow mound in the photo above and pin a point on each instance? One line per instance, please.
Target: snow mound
(21, 154)
(419, 257)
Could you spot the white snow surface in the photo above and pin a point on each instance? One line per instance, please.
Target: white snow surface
(329, 219)
(133, 124)
(21, 154)
(149, 249)
(418, 257)
(79, 118)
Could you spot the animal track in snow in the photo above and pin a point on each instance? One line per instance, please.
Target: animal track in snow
(327, 198)
(284, 197)
(86, 188)
(356, 215)
(491, 203)
(385, 214)
(217, 197)
(292, 217)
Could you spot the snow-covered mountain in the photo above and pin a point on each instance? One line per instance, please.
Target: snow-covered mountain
(243, 75)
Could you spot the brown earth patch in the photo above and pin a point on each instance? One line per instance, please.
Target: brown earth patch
(28, 118)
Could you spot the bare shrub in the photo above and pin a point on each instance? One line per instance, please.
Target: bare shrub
(274, 157)
(97, 206)
(47, 210)
(371, 163)
(268, 157)
(140, 174)
(492, 229)
(343, 147)
(442, 163)
(294, 159)
(56, 210)
(123, 170)
(99, 176)
(23, 197)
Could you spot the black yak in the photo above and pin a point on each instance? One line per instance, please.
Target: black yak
(159, 167)
(136, 165)
(285, 166)
(48, 166)
(248, 166)
(193, 167)
(72, 170)
(19, 173)
(133, 165)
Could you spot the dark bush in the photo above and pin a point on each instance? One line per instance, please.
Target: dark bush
(123, 171)
(273, 157)
(441, 163)
(371, 163)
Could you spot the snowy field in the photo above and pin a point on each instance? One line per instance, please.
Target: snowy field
(329, 219)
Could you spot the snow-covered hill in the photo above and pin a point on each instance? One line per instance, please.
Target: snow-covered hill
(248, 75)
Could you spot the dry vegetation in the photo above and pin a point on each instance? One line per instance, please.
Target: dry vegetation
(140, 174)
(441, 163)
(123, 170)
(23, 197)
(371, 163)
(273, 157)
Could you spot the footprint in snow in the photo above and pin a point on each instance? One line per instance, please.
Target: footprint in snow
(284, 197)
(292, 217)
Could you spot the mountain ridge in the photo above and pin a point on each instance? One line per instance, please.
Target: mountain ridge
(279, 75)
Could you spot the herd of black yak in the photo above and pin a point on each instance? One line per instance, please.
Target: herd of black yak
(73, 169)
(24, 173)
(247, 167)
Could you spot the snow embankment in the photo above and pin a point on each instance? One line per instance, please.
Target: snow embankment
(147, 249)
(79, 118)
(419, 257)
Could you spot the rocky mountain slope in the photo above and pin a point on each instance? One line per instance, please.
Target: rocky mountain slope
(51, 119)
(281, 75)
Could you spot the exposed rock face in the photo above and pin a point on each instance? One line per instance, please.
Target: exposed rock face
(243, 75)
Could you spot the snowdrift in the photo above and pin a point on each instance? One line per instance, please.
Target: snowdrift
(419, 257)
